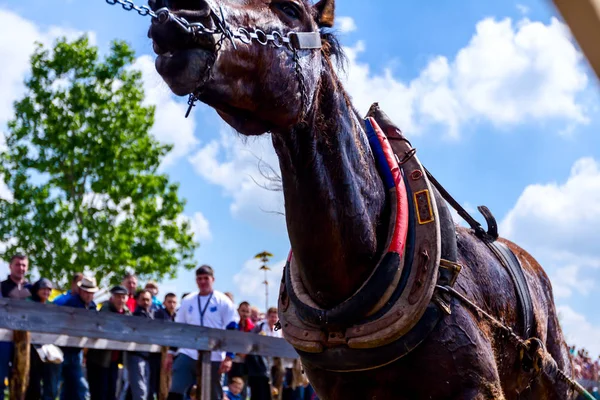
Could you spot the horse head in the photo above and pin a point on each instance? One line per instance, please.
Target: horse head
(255, 88)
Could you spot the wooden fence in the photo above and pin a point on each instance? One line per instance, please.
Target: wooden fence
(27, 323)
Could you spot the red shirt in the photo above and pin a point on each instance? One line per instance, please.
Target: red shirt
(249, 325)
(131, 304)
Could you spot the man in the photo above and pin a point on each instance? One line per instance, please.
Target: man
(14, 287)
(75, 386)
(62, 299)
(137, 362)
(209, 308)
(103, 365)
(168, 311)
(130, 283)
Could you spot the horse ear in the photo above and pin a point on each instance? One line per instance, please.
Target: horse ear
(325, 13)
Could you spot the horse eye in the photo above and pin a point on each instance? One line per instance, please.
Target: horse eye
(289, 9)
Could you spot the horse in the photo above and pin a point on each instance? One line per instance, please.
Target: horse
(270, 66)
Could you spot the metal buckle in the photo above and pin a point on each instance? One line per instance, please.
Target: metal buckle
(453, 268)
(305, 40)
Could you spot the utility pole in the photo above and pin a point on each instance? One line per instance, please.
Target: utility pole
(264, 258)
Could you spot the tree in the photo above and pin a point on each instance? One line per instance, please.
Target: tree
(82, 168)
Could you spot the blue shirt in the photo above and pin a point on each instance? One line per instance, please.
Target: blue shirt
(62, 299)
(156, 304)
(76, 302)
(233, 396)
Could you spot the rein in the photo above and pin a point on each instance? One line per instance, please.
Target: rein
(293, 41)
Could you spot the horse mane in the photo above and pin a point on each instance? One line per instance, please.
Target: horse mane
(333, 49)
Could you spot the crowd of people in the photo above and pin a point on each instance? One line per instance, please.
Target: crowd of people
(79, 374)
(586, 370)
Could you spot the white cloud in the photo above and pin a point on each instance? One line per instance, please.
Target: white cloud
(239, 166)
(17, 49)
(509, 73)
(170, 124)
(560, 216)
(201, 227)
(345, 24)
(579, 331)
(567, 279)
(249, 283)
(559, 224)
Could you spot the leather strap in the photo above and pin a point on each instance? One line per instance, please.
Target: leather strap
(356, 307)
(514, 269)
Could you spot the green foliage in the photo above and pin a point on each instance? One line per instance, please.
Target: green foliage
(82, 167)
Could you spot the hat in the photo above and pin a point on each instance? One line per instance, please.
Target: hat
(43, 284)
(118, 290)
(204, 270)
(88, 284)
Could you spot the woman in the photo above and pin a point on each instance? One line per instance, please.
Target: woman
(238, 367)
(40, 371)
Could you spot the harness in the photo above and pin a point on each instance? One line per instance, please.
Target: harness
(411, 287)
(398, 306)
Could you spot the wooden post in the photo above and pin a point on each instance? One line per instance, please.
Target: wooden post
(165, 375)
(583, 18)
(203, 383)
(20, 373)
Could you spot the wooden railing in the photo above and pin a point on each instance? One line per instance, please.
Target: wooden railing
(28, 323)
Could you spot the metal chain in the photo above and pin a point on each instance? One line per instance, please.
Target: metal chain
(128, 6)
(196, 29)
(194, 97)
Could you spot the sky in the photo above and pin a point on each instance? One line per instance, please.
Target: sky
(496, 97)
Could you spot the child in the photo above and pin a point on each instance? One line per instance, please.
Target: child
(233, 393)
(234, 389)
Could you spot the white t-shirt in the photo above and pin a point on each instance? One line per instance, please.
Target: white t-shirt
(217, 314)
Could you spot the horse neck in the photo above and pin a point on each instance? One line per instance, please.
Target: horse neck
(335, 201)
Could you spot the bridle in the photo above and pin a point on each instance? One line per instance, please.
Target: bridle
(292, 41)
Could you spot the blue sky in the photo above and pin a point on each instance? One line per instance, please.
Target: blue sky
(495, 96)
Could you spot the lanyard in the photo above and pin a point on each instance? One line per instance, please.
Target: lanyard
(201, 310)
